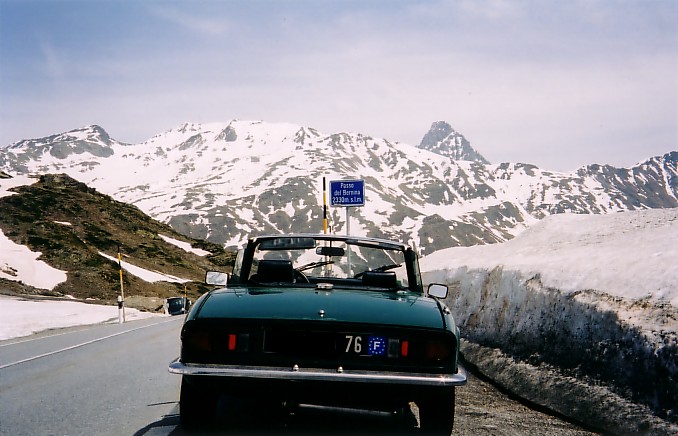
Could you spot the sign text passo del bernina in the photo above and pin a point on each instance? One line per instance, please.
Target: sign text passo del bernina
(347, 193)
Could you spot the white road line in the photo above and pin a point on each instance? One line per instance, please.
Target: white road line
(81, 344)
(30, 339)
(72, 329)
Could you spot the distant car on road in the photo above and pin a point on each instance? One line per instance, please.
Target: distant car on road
(177, 305)
(322, 319)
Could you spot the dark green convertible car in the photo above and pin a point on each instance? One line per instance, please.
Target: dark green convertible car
(324, 320)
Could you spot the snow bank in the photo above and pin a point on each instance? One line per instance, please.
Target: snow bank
(626, 254)
(22, 317)
(595, 296)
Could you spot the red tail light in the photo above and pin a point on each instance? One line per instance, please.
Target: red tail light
(404, 348)
(239, 342)
(397, 348)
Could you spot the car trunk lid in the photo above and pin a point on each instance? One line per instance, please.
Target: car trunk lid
(338, 305)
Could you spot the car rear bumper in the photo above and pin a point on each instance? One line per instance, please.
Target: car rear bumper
(318, 374)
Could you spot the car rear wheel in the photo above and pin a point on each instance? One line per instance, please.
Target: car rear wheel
(197, 405)
(436, 413)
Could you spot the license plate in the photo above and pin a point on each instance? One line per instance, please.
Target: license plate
(364, 345)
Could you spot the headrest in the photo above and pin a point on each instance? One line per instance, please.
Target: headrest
(379, 279)
(275, 271)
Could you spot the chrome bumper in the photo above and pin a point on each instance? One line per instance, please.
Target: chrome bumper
(318, 374)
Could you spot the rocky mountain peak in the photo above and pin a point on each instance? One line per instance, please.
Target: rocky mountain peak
(92, 133)
(90, 140)
(442, 139)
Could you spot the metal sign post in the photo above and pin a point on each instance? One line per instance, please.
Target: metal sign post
(347, 193)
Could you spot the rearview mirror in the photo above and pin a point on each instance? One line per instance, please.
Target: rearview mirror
(329, 251)
(216, 278)
(437, 290)
(287, 243)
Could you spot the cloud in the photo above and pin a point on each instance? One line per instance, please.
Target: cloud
(53, 63)
(190, 21)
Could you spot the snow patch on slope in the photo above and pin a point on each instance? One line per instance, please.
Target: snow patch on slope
(144, 274)
(184, 246)
(19, 263)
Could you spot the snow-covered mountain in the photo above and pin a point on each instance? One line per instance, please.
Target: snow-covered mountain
(444, 140)
(225, 181)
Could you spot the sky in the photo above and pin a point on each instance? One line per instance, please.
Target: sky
(559, 84)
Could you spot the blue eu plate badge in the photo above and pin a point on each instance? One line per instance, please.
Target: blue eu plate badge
(376, 346)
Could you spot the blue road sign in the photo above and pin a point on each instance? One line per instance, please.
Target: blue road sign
(347, 193)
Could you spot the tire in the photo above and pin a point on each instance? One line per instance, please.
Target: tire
(436, 413)
(197, 406)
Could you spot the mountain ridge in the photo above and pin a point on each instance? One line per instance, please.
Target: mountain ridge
(224, 181)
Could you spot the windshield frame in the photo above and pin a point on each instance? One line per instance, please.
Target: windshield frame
(246, 257)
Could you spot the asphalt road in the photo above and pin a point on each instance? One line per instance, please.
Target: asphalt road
(106, 379)
(112, 380)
